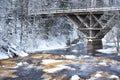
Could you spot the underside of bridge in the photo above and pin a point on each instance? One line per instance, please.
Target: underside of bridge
(94, 26)
(91, 17)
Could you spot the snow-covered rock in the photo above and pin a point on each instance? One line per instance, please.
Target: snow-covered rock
(98, 75)
(57, 68)
(114, 77)
(103, 63)
(3, 56)
(19, 53)
(75, 77)
(49, 61)
(70, 56)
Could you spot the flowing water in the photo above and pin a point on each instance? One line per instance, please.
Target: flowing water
(62, 64)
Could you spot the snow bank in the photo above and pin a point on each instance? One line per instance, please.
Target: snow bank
(3, 56)
(107, 51)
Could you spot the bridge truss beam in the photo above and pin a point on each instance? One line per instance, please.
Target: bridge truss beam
(94, 26)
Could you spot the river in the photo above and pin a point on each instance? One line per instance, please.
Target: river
(62, 64)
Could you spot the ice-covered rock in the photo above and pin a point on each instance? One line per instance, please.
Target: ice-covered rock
(75, 77)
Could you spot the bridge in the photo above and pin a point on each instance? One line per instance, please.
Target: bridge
(94, 18)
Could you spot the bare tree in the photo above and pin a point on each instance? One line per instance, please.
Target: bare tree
(117, 39)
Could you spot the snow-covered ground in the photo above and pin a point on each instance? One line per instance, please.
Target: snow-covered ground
(3, 56)
(107, 50)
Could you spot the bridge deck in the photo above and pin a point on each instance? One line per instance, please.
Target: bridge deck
(36, 7)
(66, 11)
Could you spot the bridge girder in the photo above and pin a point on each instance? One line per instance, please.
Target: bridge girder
(91, 24)
(94, 25)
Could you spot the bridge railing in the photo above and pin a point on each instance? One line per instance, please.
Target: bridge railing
(57, 6)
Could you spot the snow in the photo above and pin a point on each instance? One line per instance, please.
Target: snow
(70, 56)
(76, 50)
(49, 61)
(103, 63)
(57, 68)
(13, 49)
(75, 77)
(51, 45)
(98, 75)
(110, 44)
(107, 51)
(19, 53)
(22, 54)
(110, 50)
(114, 77)
(3, 56)
(106, 43)
(19, 64)
(86, 56)
(35, 37)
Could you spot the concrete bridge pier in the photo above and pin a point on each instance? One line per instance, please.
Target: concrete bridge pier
(94, 44)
